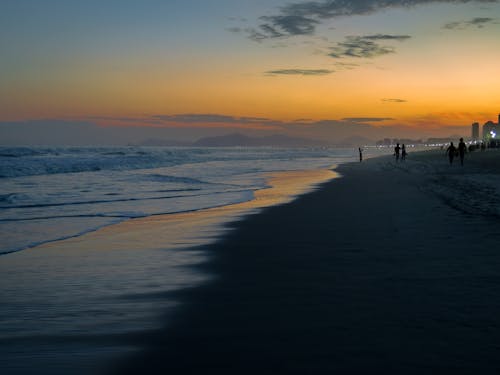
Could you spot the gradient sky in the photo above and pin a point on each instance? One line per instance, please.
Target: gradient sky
(291, 66)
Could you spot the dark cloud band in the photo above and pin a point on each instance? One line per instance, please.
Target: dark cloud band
(394, 100)
(478, 22)
(301, 18)
(366, 119)
(196, 118)
(301, 72)
(365, 46)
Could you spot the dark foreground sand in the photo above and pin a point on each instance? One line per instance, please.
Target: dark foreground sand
(392, 269)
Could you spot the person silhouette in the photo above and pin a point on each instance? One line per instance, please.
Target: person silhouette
(360, 154)
(451, 152)
(403, 152)
(462, 149)
(396, 151)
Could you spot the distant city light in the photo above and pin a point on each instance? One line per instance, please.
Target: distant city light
(493, 134)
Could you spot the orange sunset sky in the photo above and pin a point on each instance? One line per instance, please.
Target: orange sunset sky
(313, 68)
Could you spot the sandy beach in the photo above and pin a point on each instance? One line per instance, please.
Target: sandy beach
(392, 269)
(75, 305)
(215, 187)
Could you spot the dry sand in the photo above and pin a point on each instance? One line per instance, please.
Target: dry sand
(392, 269)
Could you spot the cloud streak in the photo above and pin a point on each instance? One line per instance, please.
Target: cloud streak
(302, 18)
(202, 120)
(394, 100)
(196, 118)
(366, 119)
(478, 22)
(191, 126)
(300, 72)
(366, 46)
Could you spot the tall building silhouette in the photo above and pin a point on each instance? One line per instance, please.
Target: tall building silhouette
(475, 131)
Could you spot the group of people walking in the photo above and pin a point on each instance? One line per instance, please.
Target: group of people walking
(453, 151)
(400, 150)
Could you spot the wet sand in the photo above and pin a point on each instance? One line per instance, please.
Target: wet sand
(392, 269)
(73, 306)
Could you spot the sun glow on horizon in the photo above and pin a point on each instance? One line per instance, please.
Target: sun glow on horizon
(386, 65)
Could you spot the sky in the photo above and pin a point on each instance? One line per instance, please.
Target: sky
(318, 69)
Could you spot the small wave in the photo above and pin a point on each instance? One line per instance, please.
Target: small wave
(61, 238)
(17, 152)
(12, 198)
(173, 179)
(115, 218)
(6, 197)
(75, 203)
(78, 203)
(176, 190)
(8, 155)
(111, 153)
(124, 215)
(17, 162)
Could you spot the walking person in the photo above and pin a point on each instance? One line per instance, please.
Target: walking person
(396, 151)
(360, 154)
(462, 149)
(403, 152)
(451, 150)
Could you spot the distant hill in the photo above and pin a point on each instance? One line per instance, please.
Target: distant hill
(237, 139)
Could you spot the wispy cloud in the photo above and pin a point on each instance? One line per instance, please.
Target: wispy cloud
(345, 66)
(188, 124)
(366, 119)
(289, 24)
(109, 131)
(211, 120)
(189, 120)
(123, 130)
(300, 72)
(478, 22)
(242, 19)
(194, 118)
(399, 38)
(366, 46)
(394, 100)
(235, 29)
(302, 18)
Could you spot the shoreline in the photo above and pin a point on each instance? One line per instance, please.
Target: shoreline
(98, 290)
(372, 273)
(282, 186)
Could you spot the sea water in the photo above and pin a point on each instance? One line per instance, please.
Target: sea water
(70, 308)
(48, 194)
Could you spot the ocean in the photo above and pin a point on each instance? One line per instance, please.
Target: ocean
(49, 194)
(73, 308)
